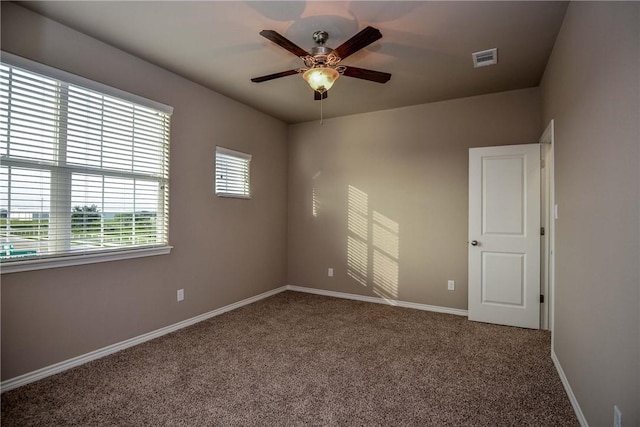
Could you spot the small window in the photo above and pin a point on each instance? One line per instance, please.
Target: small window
(232, 173)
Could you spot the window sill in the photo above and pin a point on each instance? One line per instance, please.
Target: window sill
(40, 264)
(234, 195)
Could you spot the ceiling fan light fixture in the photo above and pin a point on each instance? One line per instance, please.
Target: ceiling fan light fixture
(321, 78)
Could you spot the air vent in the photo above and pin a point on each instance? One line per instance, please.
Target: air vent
(485, 57)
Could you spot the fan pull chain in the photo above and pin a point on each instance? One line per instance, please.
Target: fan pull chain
(321, 108)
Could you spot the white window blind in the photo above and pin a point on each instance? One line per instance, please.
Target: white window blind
(232, 173)
(81, 170)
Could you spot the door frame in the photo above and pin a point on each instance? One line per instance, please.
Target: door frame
(548, 216)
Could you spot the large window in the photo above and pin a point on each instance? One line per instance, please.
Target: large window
(84, 168)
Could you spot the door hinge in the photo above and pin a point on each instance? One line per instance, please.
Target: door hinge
(542, 163)
(542, 231)
(541, 299)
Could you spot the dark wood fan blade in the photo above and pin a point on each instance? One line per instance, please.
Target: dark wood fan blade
(317, 96)
(362, 39)
(283, 42)
(361, 73)
(274, 76)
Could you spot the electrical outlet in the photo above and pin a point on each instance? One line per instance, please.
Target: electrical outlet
(330, 272)
(451, 285)
(180, 294)
(617, 417)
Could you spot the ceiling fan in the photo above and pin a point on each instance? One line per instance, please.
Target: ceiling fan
(322, 65)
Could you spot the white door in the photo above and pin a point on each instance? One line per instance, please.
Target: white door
(504, 235)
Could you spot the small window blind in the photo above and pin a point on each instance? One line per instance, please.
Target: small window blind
(81, 170)
(232, 173)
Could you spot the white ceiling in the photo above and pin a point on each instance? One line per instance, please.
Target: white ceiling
(426, 46)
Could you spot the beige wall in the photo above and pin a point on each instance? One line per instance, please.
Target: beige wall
(591, 88)
(225, 250)
(391, 196)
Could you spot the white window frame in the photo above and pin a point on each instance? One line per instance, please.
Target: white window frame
(68, 259)
(232, 187)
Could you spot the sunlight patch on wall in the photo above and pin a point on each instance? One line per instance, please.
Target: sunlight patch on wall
(314, 195)
(358, 232)
(357, 215)
(357, 258)
(386, 242)
(385, 275)
(373, 246)
(314, 202)
(385, 235)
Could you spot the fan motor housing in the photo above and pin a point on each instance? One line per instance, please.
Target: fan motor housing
(321, 50)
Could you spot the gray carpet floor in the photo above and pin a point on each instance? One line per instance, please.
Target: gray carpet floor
(300, 359)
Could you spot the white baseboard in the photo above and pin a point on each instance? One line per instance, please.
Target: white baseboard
(572, 397)
(105, 351)
(378, 300)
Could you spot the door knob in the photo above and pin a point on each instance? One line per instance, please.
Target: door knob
(474, 243)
